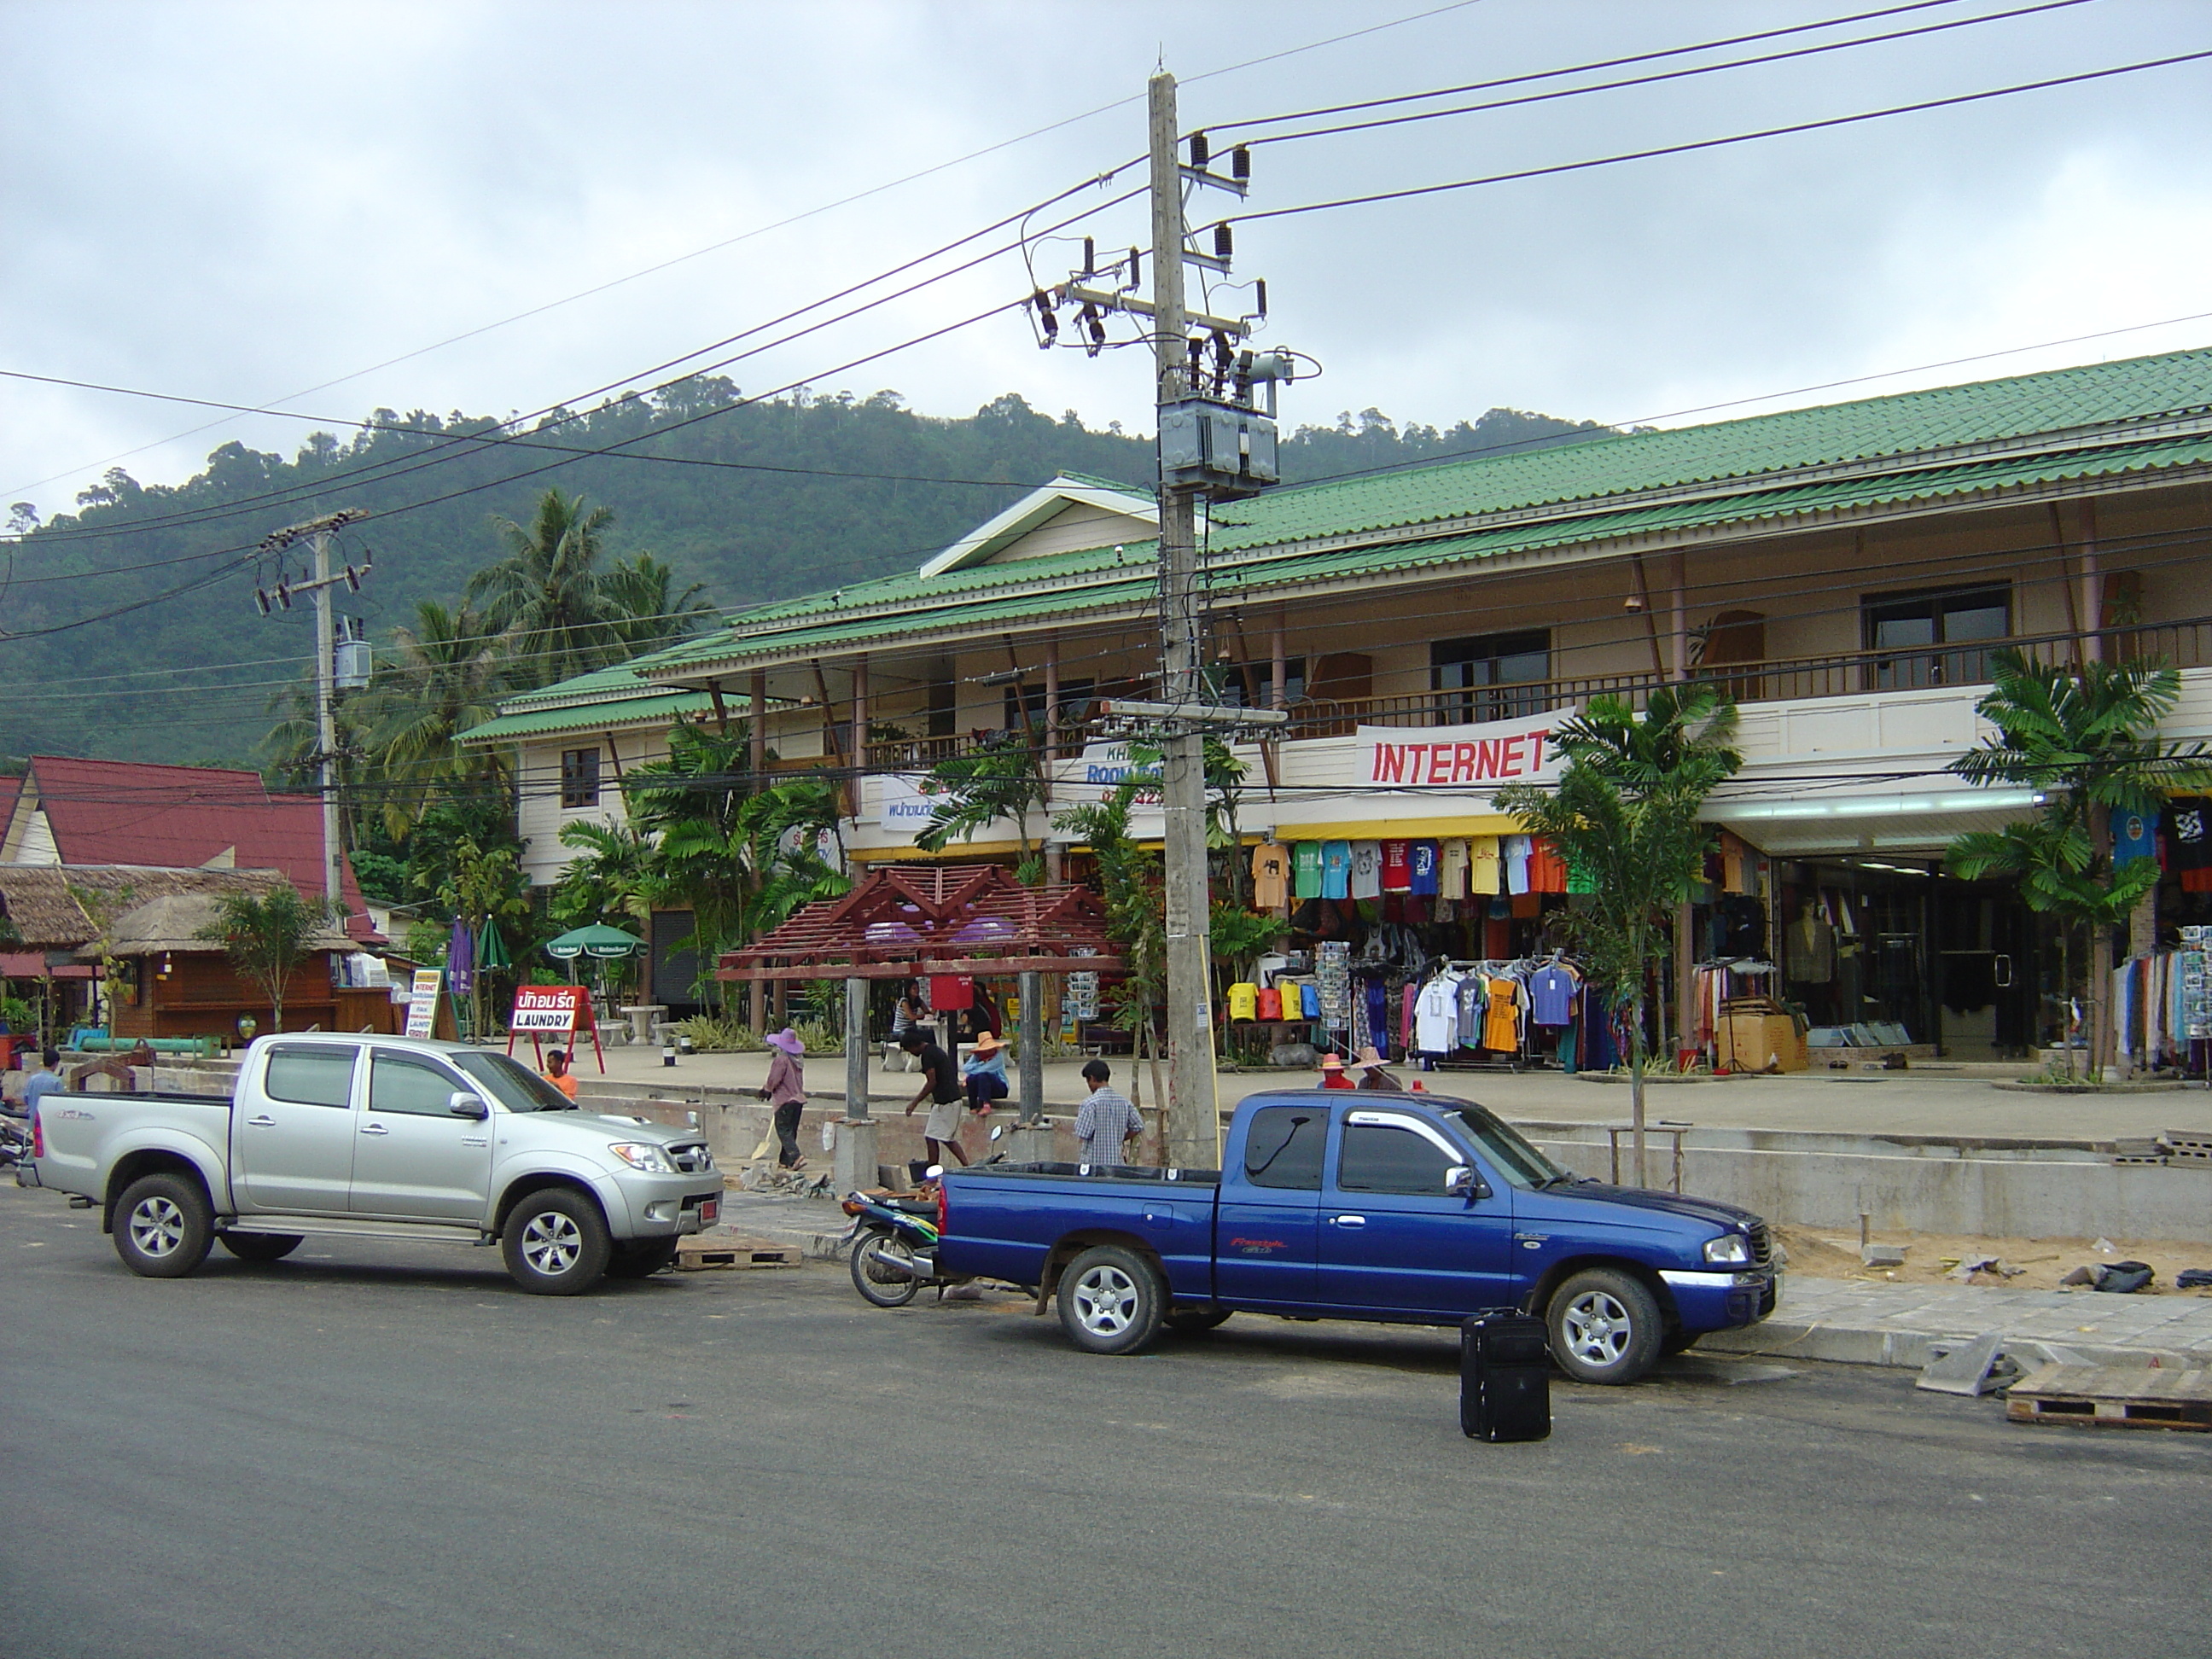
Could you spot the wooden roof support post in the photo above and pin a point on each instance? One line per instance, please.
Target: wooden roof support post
(829, 708)
(855, 784)
(2093, 587)
(757, 737)
(721, 708)
(1642, 603)
(1681, 617)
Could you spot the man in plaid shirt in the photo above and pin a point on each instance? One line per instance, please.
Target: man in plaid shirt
(1106, 1122)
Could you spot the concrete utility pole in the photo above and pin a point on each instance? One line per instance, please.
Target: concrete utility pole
(317, 533)
(1192, 1111)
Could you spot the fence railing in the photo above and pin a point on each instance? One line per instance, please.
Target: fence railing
(2182, 644)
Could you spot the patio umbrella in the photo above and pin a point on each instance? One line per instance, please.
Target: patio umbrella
(460, 959)
(598, 940)
(491, 949)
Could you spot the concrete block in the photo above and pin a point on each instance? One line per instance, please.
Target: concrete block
(853, 1160)
(1964, 1370)
(1883, 1255)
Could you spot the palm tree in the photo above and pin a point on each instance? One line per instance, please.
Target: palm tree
(646, 612)
(547, 593)
(445, 675)
(2085, 739)
(1623, 815)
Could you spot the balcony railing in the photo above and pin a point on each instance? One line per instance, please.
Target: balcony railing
(2185, 644)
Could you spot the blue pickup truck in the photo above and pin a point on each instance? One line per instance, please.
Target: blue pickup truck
(1404, 1209)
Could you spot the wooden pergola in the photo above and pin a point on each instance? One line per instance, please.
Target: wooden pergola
(906, 921)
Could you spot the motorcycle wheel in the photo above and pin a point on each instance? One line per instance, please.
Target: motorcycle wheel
(883, 1270)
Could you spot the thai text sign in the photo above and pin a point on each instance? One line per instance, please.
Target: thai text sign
(561, 1008)
(1462, 757)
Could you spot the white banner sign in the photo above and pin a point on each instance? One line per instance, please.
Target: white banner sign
(901, 805)
(422, 1002)
(1461, 757)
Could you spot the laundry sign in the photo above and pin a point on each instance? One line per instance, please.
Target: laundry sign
(1461, 757)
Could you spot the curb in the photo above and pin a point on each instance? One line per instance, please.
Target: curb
(1874, 1344)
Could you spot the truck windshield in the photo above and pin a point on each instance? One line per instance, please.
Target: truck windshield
(512, 1084)
(1514, 1158)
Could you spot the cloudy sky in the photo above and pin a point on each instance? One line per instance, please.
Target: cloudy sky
(339, 208)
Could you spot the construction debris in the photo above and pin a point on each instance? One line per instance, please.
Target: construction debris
(1964, 1370)
(701, 1251)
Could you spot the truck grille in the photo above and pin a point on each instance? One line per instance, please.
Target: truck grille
(693, 1158)
(1762, 1245)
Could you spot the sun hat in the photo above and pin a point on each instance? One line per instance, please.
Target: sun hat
(1331, 1063)
(986, 1043)
(1370, 1060)
(788, 1041)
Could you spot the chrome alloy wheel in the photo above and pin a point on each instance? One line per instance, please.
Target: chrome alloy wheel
(1106, 1300)
(551, 1243)
(1597, 1327)
(157, 1227)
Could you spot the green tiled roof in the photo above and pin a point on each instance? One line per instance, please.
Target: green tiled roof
(2102, 419)
(588, 716)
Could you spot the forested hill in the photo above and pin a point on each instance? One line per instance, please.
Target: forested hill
(158, 578)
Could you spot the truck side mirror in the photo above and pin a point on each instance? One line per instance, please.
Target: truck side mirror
(462, 1103)
(1462, 1182)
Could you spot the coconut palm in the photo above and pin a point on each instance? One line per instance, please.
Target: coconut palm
(645, 613)
(445, 675)
(548, 595)
(2085, 737)
(1624, 816)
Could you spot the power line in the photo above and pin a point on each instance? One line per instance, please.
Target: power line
(1666, 75)
(779, 224)
(1694, 145)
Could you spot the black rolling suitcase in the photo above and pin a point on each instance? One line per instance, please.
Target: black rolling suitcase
(1504, 1377)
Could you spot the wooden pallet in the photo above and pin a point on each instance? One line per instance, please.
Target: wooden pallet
(699, 1251)
(2114, 1397)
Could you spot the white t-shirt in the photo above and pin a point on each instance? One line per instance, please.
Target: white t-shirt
(1366, 869)
(1436, 1018)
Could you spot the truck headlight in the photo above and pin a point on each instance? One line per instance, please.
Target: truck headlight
(643, 1155)
(1730, 1249)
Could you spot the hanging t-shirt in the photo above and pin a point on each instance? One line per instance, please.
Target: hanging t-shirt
(1451, 870)
(2135, 836)
(1271, 876)
(1366, 869)
(1421, 858)
(2189, 832)
(1548, 871)
(1305, 864)
(1483, 865)
(1501, 1025)
(1551, 996)
(1436, 1018)
(1243, 1000)
(1336, 869)
(1514, 854)
(1397, 871)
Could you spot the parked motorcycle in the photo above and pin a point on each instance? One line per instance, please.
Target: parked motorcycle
(892, 1247)
(15, 1140)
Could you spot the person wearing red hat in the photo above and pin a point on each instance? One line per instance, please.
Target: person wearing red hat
(1333, 1075)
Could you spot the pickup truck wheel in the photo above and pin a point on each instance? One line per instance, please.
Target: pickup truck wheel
(555, 1244)
(163, 1228)
(1196, 1321)
(640, 1260)
(1605, 1327)
(884, 1270)
(1111, 1301)
(261, 1246)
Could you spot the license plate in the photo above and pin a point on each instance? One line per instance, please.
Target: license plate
(709, 1209)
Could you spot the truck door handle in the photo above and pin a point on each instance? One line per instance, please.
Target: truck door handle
(374, 1129)
(264, 1121)
(1350, 1220)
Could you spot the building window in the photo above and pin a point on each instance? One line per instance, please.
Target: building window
(1904, 629)
(580, 779)
(1024, 704)
(1493, 676)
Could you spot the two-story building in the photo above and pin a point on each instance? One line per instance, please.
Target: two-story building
(1845, 571)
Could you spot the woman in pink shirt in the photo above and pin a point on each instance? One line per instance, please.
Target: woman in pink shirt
(786, 1092)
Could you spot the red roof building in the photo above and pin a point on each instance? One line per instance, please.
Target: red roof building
(176, 817)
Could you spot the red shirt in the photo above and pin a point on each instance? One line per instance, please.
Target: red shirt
(1397, 868)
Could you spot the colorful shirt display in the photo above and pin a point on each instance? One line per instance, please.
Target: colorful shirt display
(1305, 864)
(1366, 869)
(1421, 860)
(1451, 870)
(1485, 866)
(1336, 869)
(1271, 876)
(1397, 869)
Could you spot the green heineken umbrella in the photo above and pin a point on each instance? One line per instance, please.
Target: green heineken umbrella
(491, 949)
(608, 943)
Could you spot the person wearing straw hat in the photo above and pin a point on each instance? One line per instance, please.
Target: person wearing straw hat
(786, 1090)
(985, 1071)
(1375, 1073)
(1333, 1075)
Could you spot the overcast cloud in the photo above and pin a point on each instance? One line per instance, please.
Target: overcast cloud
(240, 201)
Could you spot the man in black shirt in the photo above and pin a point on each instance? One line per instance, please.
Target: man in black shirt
(941, 1085)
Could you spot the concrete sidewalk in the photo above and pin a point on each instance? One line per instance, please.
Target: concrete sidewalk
(1863, 1324)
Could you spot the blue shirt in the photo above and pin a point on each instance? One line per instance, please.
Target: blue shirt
(2135, 836)
(40, 1084)
(1336, 869)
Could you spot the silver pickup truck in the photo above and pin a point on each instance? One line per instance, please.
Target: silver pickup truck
(367, 1137)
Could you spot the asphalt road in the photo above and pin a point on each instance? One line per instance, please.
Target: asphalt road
(390, 1451)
